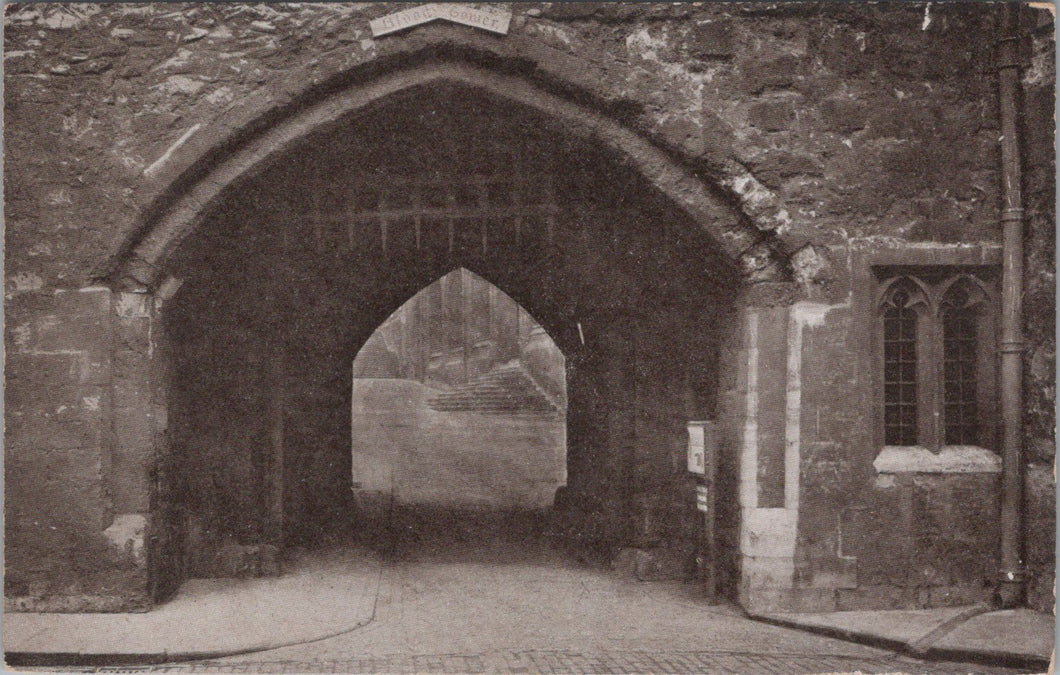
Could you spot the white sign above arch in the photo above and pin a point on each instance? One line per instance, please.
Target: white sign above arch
(494, 21)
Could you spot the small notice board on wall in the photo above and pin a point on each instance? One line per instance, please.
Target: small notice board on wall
(702, 459)
(701, 442)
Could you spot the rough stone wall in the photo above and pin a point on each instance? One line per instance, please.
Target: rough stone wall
(864, 122)
(871, 536)
(921, 540)
(76, 501)
(1039, 92)
(864, 128)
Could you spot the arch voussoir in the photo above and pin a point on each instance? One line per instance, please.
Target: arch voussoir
(735, 231)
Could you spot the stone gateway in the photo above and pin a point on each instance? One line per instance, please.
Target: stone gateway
(827, 229)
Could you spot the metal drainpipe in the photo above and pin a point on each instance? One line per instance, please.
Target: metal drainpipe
(1010, 589)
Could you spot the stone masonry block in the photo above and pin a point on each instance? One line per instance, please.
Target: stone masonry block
(33, 377)
(811, 600)
(766, 572)
(779, 165)
(653, 564)
(90, 303)
(133, 427)
(70, 417)
(129, 480)
(65, 321)
(133, 334)
(55, 488)
(571, 10)
(716, 135)
(126, 534)
(772, 402)
(768, 533)
(841, 51)
(712, 39)
(765, 600)
(684, 133)
(843, 116)
(40, 431)
(779, 72)
(950, 460)
(132, 305)
(875, 598)
(776, 115)
(956, 595)
(844, 577)
(131, 393)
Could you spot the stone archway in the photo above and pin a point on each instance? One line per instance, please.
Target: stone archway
(289, 254)
(747, 235)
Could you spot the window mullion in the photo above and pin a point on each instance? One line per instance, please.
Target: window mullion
(936, 380)
(926, 376)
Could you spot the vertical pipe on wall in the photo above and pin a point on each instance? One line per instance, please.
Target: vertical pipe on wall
(1010, 588)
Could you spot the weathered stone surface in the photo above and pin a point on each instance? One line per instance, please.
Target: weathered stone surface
(776, 73)
(773, 336)
(774, 115)
(932, 552)
(843, 116)
(658, 564)
(712, 39)
(811, 265)
(779, 165)
(1040, 531)
(951, 459)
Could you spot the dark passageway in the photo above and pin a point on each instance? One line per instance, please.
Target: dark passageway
(286, 283)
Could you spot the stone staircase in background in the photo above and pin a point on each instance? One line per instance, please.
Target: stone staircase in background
(508, 390)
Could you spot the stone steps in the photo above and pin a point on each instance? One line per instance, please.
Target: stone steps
(505, 391)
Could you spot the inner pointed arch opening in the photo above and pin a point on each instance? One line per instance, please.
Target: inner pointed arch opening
(458, 403)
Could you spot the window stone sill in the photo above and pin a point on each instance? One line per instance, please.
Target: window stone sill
(951, 459)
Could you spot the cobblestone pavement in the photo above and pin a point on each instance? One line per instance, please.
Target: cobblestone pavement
(576, 662)
(476, 605)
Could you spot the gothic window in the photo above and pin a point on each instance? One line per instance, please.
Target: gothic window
(900, 365)
(937, 358)
(960, 336)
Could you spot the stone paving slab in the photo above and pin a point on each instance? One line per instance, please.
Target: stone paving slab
(895, 626)
(1018, 632)
(1019, 637)
(320, 594)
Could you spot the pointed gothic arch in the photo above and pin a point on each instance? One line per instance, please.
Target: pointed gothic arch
(459, 401)
(238, 155)
(276, 301)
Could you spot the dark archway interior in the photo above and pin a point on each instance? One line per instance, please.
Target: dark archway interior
(285, 282)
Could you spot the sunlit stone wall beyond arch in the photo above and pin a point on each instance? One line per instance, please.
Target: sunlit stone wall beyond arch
(458, 401)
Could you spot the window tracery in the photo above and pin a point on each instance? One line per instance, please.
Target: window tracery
(937, 352)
